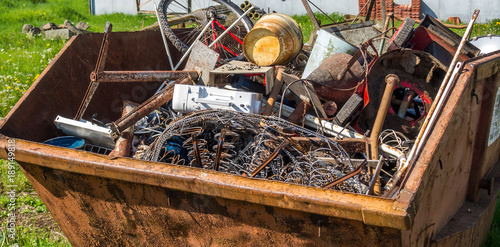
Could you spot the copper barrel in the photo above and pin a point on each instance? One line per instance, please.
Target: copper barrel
(275, 39)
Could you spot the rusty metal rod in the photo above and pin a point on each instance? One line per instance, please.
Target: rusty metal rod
(270, 158)
(148, 106)
(275, 92)
(196, 151)
(345, 177)
(391, 80)
(386, 25)
(355, 18)
(299, 113)
(139, 76)
(218, 153)
(426, 126)
(124, 142)
(310, 13)
(99, 67)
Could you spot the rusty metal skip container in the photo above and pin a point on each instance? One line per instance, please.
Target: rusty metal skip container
(275, 39)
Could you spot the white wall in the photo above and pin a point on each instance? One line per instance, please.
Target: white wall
(99, 7)
(292, 7)
(442, 9)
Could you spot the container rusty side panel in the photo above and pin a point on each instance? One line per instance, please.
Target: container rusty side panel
(62, 85)
(487, 144)
(42, 103)
(472, 221)
(438, 183)
(95, 211)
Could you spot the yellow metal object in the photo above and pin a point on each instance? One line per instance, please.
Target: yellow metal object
(275, 39)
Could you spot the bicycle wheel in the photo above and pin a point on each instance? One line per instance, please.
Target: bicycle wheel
(191, 16)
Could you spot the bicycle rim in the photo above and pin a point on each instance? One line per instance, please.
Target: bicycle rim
(189, 17)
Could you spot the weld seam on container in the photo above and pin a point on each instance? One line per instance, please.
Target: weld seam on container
(274, 39)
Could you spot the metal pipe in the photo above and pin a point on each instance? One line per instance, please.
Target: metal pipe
(232, 25)
(439, 106)
(418, 142)
(139, 76)
(124, 142)
(164, 38)
(310, 13)
(391, 80)
(375, 176)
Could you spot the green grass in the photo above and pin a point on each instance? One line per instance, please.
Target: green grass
(493, 237)
(22, 60)
(29, 235)
(307, 26)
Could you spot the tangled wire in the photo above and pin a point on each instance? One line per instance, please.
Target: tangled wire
(256, 146)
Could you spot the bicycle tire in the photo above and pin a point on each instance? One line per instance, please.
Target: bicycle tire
(181, 46)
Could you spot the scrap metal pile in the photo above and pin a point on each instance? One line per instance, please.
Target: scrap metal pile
(255, 102)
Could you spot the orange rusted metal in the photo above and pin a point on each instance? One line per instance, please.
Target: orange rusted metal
(274, 39)
(139, 76)
(103, 201)
(124, 142)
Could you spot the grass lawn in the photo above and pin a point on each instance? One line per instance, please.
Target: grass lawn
(23, 58)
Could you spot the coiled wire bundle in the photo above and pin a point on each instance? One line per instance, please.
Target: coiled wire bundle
(254, 146)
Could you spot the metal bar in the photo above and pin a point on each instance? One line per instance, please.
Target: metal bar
(355, 18)
(369, 11)
(311, 15)
(148, 106)
(299, 112)
(270, 158)
(403, 107)
(164, 38)
(383, 11)
(426, 126)
(375, 176)
(99, 67)
(274, 93)
(124, 142)
(232, 25)
(386, 25)
(345, 177)
(142, 76)
(228, 50)
(391, 80)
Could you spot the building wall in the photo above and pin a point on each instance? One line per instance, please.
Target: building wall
(295, 7)
(100, 7)
(441, 9)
